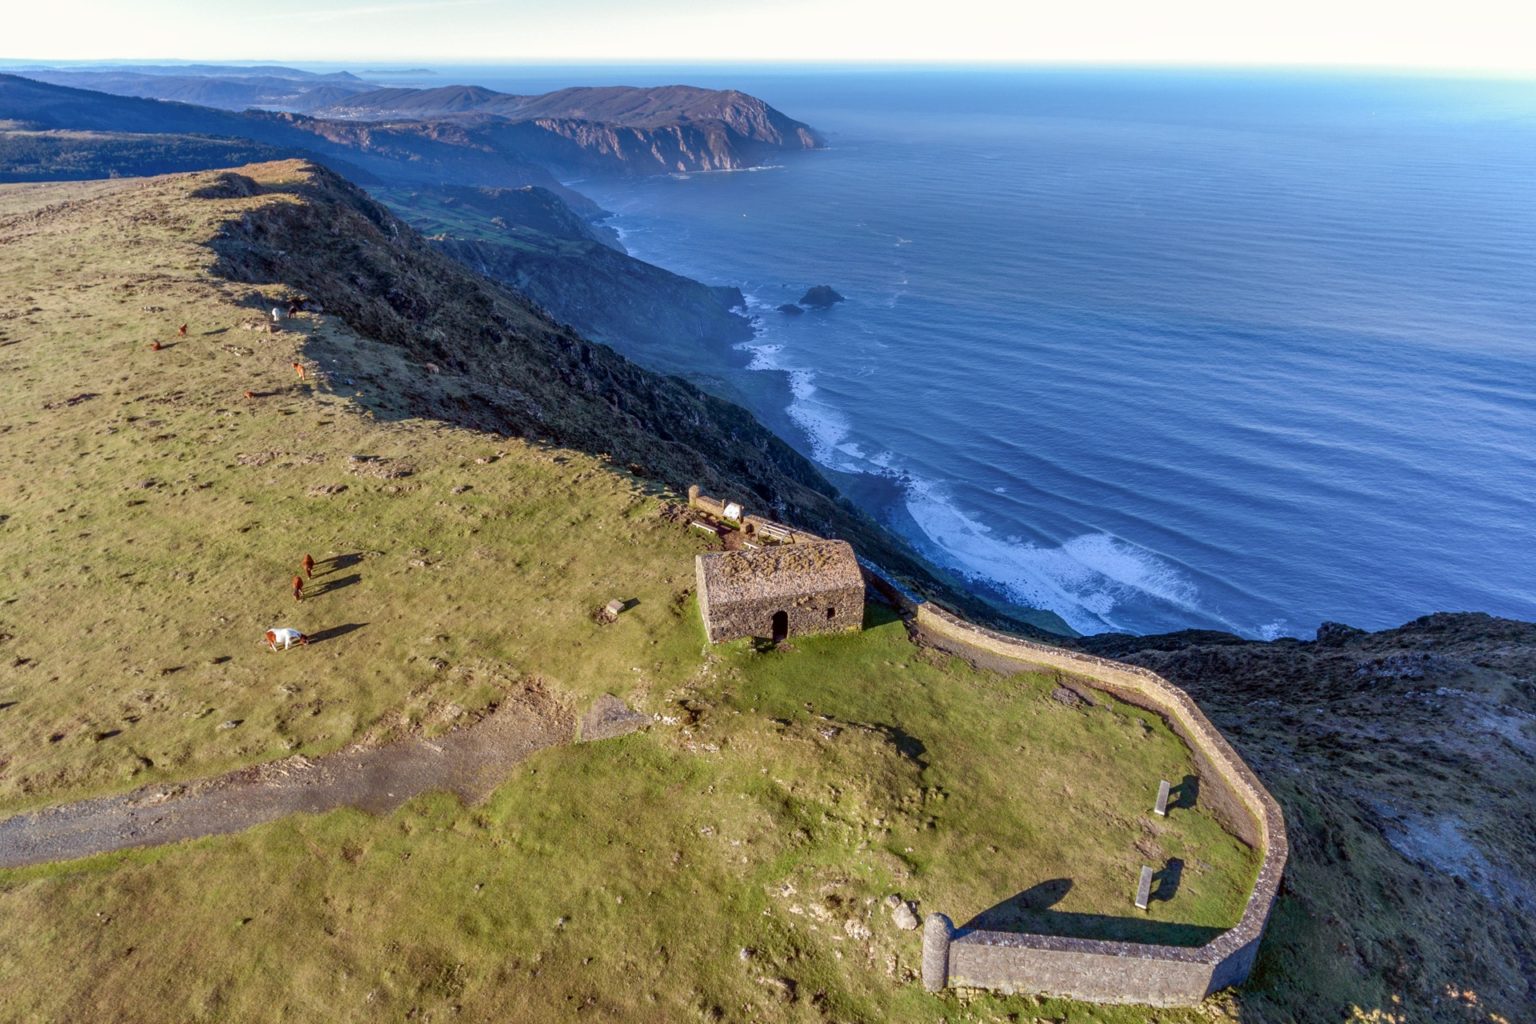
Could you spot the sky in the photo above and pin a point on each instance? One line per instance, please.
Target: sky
(1487, 36)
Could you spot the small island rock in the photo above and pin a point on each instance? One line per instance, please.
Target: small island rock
(820, 297)
(790, 309)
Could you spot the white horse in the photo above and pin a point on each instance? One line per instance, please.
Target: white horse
(286, 637)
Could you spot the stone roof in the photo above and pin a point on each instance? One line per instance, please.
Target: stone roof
(780, 570)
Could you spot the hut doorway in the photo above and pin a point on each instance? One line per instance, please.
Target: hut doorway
(780, 626)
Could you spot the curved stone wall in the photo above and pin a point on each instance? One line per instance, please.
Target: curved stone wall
(1099, 971)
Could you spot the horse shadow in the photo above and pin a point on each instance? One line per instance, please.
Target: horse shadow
(336, 563)
(335, 632)
(329, 585)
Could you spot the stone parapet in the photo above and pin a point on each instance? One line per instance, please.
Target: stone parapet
(1094, 970)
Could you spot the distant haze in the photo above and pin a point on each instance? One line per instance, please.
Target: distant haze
(1491, 36)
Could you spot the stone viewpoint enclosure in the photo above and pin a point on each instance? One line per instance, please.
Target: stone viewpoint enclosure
(780, 590)
(1088, 969)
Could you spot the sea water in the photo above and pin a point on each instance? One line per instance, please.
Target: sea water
(1149, 349)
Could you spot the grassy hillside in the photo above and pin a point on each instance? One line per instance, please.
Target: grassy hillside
(731, 863)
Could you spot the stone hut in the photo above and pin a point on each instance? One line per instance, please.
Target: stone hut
(781, 590)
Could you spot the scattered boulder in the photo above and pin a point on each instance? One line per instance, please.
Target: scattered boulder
(784, 988)
(1070, 697)
(790, 309)
(379, 468)
(610, 717)
(823, 296)
(903, 912)
(1336, 634)
(610, 611)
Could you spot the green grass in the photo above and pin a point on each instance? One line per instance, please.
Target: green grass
(781, 796)
(755, 822)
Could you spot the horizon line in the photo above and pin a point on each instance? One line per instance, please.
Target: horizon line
(850, 63)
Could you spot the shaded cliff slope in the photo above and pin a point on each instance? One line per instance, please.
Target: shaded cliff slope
(575, 269)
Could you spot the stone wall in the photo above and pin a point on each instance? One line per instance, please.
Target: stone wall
(1098, 971)
(765, 531)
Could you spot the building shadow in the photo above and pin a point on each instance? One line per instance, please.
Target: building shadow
(1185, 795)
(1033, 911)
(335, 631)
(1165, 883)
(878, 613)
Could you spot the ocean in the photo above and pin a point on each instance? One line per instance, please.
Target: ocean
(1149, 349)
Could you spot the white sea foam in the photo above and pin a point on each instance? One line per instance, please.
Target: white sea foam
(1275, 630)
(824, 426)
(1084, 580)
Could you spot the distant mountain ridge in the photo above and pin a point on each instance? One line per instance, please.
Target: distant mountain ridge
(631, 107)
(281, 88)
(462, 134)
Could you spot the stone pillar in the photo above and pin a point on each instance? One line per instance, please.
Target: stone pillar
(693, 495)
(938, 930)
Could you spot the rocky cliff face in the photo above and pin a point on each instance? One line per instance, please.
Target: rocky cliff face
(662, 320)
(602, 130)
(1405, 761)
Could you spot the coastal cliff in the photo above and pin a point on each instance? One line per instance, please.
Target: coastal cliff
(604, 130)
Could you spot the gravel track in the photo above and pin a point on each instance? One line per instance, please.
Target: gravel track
(469, 762)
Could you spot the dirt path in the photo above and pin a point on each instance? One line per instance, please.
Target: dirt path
(469, 762)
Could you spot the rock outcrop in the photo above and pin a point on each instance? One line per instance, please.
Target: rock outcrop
(822, 296)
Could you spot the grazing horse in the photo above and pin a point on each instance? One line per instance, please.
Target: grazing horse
(154, 346)
(250, 394)
(309, 567)
(298, 368)
(286, 637)
(298, 588)
(181, 332)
